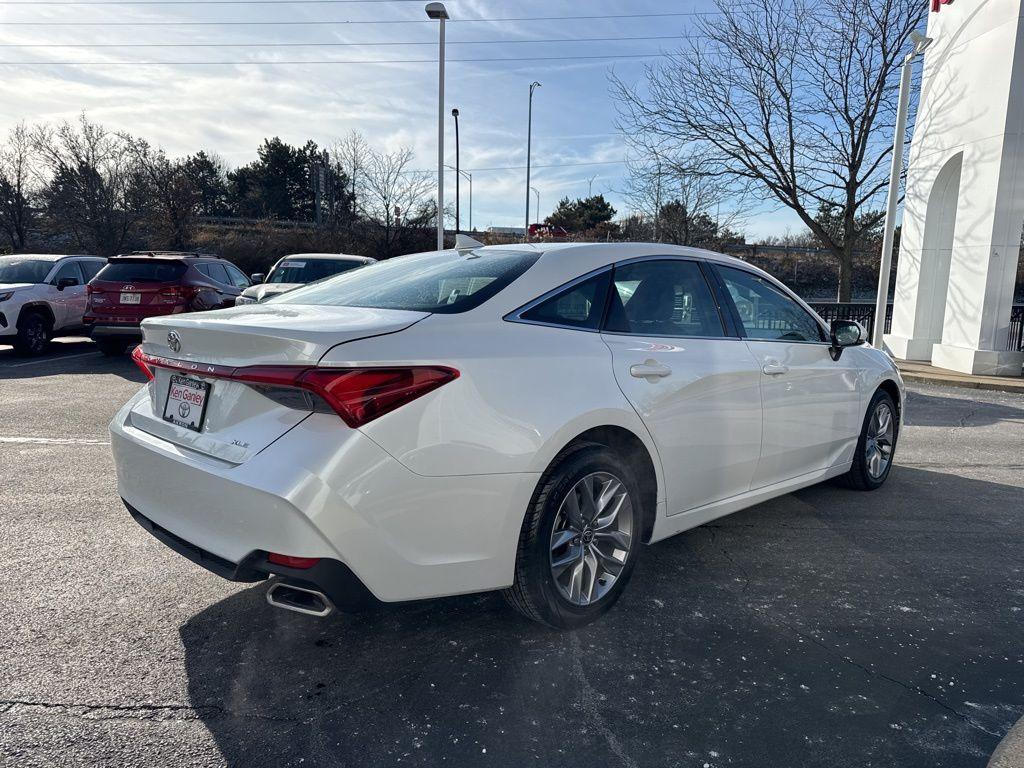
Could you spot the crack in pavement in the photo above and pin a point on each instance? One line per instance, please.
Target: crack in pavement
(835, 652)
(909, 687)
(136, 711)
(588, 697)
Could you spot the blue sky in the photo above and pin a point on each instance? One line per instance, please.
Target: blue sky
(229, 109)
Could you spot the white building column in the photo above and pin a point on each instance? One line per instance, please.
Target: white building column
(964, 207)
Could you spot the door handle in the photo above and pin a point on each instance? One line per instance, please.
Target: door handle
(650, 370)
(774, 368)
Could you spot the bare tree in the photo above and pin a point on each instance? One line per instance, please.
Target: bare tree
(681, 206)
(173, 196)
(17, 189)
(796, 98)
(394, 201)
(94, 189)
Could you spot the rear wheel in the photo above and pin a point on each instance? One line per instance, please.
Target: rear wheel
(579, 541)
(877, 445)
(112, 347)
(33, 335)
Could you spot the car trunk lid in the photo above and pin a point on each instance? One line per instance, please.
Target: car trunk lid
(238, 420)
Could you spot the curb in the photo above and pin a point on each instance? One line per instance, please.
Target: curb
(1011, 386)
(1010, 752)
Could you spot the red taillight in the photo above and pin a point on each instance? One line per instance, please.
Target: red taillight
(288, 561)
(91, 289)
(140, 360)
(358, 395)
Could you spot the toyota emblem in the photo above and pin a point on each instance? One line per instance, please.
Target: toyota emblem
(174, 341)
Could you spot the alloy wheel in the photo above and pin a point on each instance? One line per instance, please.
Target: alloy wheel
(878, 445)
(591, 537)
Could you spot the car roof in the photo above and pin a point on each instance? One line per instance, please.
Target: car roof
(315, 256)
(171, 255)
(54, 257)
(606, 253)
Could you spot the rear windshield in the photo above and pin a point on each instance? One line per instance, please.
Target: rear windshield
(149, 271)
(299, 270)
(24, 270)
(442, 282)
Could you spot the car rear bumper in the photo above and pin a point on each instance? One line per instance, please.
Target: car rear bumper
(324, 491)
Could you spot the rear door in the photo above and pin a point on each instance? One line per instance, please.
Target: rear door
(812, 403)
(689, 377)
(220, 281)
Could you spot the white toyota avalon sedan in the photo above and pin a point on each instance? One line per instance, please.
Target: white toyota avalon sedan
(518, 418)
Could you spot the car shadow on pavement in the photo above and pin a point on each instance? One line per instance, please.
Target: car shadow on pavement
(827, 627)
(67, 357)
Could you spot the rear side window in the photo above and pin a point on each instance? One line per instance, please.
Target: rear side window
(663, 298)
(91, 268)
(149, 271)
(578, 306)
(444, 282)
(215, 272)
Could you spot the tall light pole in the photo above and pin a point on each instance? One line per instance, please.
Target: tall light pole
(882, 300)
(458, 199)
(439, 12)
(529, 141)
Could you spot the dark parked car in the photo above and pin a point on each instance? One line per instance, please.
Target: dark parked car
(138, 285)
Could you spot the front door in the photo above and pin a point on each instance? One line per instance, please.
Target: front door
(695, 387)
(811, 403)
(68, 304)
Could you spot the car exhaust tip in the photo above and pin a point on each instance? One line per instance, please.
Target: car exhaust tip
(299, 599)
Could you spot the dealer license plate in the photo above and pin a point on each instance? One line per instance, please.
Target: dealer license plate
(186, 402)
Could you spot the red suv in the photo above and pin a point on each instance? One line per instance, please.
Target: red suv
(135, 286)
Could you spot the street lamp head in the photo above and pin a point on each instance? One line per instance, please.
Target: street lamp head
(534, 84)
(455, 113)
(920, 42)
(437, 11)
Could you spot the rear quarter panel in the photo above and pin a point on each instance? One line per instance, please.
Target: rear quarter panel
(524, 392)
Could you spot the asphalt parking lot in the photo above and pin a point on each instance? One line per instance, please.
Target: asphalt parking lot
(825, 628)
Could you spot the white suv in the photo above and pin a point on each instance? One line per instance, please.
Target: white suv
(42, 296)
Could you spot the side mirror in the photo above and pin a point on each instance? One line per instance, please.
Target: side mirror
(66, 282)
(845, 333)
(258, 277)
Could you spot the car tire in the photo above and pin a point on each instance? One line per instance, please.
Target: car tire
(569, 596)
(876, 447)
(112, 347)
(33, 337)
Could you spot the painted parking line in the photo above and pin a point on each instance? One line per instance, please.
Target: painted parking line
(44, 360)
(51, 441)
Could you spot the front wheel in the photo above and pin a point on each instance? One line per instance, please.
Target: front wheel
(580, 540)
(33, 335)
(876, 446)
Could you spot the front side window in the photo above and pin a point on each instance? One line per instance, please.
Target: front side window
(68, 269)
(444, 282)
(238, 279)
(663, 298)
(578, 306)
(765, 311)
